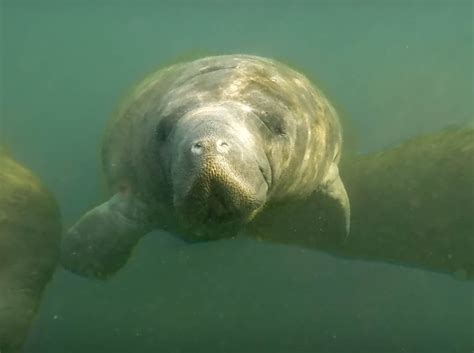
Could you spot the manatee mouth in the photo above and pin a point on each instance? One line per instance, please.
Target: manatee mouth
(217, 208)
(221, 199)
(219, 211)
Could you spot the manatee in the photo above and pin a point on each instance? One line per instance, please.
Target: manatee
(200, 149)
(245, 145)
(30, 232)
(412, 204)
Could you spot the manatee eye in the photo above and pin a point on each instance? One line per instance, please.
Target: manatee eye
(161, 135)
(275, 127)
(280, 131)
(163, 130)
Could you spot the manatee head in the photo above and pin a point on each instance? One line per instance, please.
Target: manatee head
(217, 166)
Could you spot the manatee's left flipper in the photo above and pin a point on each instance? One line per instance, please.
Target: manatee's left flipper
(100, 243)
(319, 221)
(335, 190)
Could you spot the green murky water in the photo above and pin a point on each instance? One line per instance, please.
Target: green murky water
(393, 70)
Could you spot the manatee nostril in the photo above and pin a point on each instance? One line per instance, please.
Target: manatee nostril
(222, 146)
(197, 148)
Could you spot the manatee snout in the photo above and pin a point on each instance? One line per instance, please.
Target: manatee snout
(218, 176)
(218, 192)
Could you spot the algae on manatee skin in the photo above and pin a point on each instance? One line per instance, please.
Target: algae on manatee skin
(29, 248)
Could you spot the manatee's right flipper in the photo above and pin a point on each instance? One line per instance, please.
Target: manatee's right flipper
(100, 243)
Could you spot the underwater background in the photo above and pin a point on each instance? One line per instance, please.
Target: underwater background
(393, 69)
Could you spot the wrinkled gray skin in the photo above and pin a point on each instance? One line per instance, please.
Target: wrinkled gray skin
(200, 149)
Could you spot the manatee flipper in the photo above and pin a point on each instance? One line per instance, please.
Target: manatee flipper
(100, 243)
(335, 190)
(320, 221)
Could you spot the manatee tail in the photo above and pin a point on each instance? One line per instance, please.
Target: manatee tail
(101, 242)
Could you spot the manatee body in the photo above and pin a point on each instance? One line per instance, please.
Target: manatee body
(412, 204)
(29, 249)
(202, 148)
